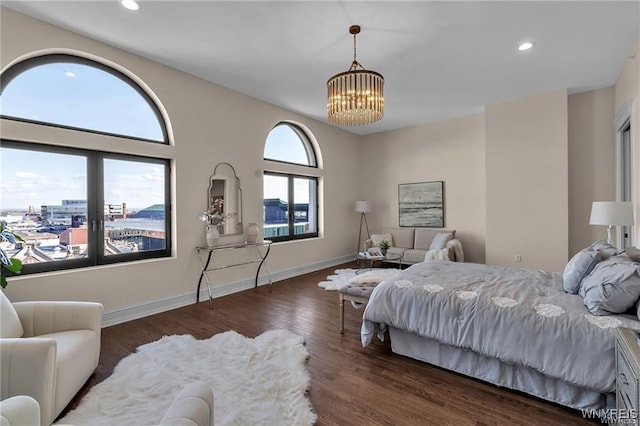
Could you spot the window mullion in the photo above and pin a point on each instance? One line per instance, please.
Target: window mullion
(94, 220)
(292, 214)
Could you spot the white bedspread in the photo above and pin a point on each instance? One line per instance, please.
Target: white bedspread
(519, 316)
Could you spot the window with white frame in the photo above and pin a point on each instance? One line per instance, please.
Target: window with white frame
(79, 206)
(290, 199)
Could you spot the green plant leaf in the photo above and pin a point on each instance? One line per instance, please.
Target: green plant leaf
(15, 266)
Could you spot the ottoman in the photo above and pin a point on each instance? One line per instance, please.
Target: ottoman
(357, 293)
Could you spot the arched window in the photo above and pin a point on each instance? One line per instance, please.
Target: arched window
(73, 204)
(290, 199)
(288, 143)
(73, 92)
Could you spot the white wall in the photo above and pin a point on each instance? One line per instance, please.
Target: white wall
(527, 182)
(592, 173)
(451, 151)
(210, 124)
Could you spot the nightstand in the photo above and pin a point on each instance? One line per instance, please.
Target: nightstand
(627, 376)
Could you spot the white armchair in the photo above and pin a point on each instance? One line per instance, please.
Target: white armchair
(19, 410)
(48, 351)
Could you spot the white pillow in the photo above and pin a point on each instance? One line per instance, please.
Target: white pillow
(10, 325)
(376, 239)
(440, 240)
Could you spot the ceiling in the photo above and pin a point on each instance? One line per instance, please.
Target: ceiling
(440, 60)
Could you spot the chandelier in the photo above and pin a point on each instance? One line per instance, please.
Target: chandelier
(355, 97)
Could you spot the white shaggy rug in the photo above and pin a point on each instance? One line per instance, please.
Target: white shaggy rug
(259, 381)
(343, 277)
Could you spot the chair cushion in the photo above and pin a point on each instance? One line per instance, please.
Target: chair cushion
(10, 325)
(402, 237)
(376, 239)
(75, 362)
(414, 256)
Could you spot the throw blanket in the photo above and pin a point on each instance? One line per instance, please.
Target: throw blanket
(453, 251)
(519, 316)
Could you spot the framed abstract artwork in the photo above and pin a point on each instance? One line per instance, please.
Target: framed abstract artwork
(421, 204)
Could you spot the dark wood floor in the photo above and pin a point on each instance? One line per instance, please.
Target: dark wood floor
(350, 385)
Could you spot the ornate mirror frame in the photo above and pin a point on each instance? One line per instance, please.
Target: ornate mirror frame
(225, 196)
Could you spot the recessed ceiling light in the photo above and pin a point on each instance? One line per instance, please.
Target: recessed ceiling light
(69, 74)
(525, 46)
(130, 4)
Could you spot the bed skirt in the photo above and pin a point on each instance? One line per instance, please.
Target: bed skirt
(494, 371)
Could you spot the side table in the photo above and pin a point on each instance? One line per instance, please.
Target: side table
(389, 257)
(206, 256)
(627, 377)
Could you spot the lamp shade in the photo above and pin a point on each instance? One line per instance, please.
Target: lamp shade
(363, 206)
(611, 213)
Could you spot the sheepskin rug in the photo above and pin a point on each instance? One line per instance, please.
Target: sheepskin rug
(256, 381)
(343, 277)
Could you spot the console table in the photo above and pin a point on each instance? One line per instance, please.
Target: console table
(206, 256)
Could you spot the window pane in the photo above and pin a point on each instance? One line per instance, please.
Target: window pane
(82, 96)
(276, 206)
(44, 200)
(304, 193)
(134, 207)
(285, 144)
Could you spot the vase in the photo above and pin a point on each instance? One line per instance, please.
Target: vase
(252, 232)
(212, 235)
(383, 251)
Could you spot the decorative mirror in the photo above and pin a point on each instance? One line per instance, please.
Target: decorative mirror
(224, 199)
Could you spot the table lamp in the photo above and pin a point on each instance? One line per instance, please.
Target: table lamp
(611, 213)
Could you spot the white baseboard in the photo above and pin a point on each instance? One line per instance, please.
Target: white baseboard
(155, 307)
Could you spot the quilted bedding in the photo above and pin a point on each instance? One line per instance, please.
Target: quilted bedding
(519, 316)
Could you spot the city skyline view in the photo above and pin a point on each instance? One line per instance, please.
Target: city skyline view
(39, 178)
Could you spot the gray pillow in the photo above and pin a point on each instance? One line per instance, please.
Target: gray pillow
(605, 249)
(612, 287)
(633, 253)
(580, 265)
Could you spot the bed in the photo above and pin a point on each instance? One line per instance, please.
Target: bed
(516, 328)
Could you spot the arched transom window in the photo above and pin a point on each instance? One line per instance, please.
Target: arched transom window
(74, 92)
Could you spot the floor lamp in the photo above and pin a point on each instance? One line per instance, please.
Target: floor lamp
(362, 207)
